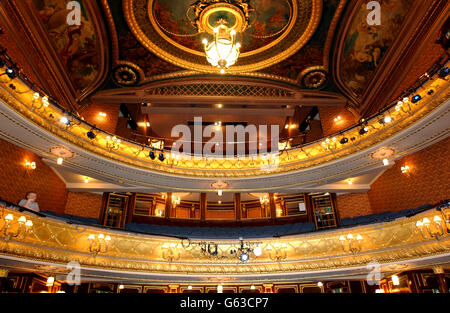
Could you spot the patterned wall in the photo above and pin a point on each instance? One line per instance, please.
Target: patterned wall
(14, 182)
(84, 204)
(327, 116)
(353, 204)
(108, 123)
(428, 182)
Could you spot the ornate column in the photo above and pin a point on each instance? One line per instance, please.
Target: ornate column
(273, 209)
(173, 288)
(237, 206)
(168, 207)
(203, 206)
(440, 275)
(268, 288)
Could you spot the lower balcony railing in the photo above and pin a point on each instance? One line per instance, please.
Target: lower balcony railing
(36, 237)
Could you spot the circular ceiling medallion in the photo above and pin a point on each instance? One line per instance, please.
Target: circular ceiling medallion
(233, 16)
(219, 185)
(61, 152)
(382, 153)
(274, 30)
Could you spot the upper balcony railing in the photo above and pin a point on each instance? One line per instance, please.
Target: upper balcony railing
(18, 92)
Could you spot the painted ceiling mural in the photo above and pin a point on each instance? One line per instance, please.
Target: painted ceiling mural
(365, 46)
(268, 21)
(76, 45)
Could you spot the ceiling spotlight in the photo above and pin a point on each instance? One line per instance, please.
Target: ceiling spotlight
(363, 130)
(416, 99)
(349, 181)
(244, 257)
(161, 157)
(343, 141)
(189, 287)
(219, 202)
(385, 162)
(219, 192)
(102, 114)
(337, 119)
(60, 161)
(257, 251)
(91, 135)
(444, 72)
(86, 180)
(220, 105)
(152, 155)
(252, 287)
(10, 73)
(319, 284)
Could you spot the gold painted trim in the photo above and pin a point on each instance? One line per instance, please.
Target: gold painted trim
(236, 69)
(57, 242)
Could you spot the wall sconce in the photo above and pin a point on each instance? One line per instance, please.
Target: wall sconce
(277, 252)
(50, 281)
(112, 143)
(329, 144)
(171, 252)
(7, 235)
(175, 200)
(337, 119)
(264, 200)
(405, 169)
(395, 280)
(349, 244)
(98, 244)
(431, 229)
(29, 167)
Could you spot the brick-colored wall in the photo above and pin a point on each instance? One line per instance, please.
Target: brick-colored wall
(428, 182)
(353, 204)
(84, 204)
(108, 123)
(327, 115)
(50, 189)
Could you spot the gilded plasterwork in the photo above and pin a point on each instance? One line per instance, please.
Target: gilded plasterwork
(308, 156)
(58, 242)
(299, 31)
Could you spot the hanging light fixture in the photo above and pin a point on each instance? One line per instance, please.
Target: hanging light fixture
(223, 51)
(223, 20)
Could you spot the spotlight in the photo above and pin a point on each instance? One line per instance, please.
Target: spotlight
(152, 155)
(343, 140)
(10, 73)
(243, 257)
(385, 162)
(416, 99)
(363, 130)
(444, 72)
(60, 161)
(161, 157)
(91, 135)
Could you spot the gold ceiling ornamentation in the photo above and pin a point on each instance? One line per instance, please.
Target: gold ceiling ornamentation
(21, 99)
(58, 242)
(301, 27)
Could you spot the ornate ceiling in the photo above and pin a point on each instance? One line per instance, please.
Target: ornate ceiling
(309, 46)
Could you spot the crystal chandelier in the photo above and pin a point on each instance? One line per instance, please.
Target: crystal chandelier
(223, 50)
(224, 20)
